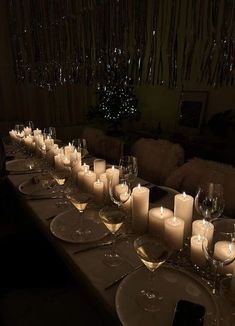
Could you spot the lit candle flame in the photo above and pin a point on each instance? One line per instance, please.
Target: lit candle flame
(161, 210)
(184, 194)
(139, 186)
(112, 167)
(98, 181)
(174, 220)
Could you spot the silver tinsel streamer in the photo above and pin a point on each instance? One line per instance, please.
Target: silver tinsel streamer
(157, 42)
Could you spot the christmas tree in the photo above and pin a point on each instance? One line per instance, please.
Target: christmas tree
(115, 98)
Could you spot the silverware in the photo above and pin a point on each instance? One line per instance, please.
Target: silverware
(50, 217)
(97, 245)
(101, 244)
(119, 279)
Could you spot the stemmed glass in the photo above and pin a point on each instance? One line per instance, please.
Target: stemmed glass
(209, 200)
(113, 218)
(52, 132)
(60, 177)
(128, 168)
(153, 252)
(81, 145)
(220, 250)
(80, 201)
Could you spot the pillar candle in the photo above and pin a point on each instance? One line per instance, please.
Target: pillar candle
(75, 158)
(103, 178)
(225, 250)
(196, 252)
(114, 174)
(37, 131)
(204, 228)
(140, 207)
(98, 191)
(80, 178)
(126, 198)
(68, 150)
(49, 142)
(88, 181)
(174, 232)
(183, 208)
(99, 167)
(27, 131)
(157, 217)
(59, 165)
(120, 188)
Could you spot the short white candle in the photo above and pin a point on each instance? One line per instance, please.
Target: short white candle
(174, 232)
(99, 167)
(183, 208)
(98, 191)
(225, 250)
(157, 215)
(140, 207)
(113, 173)
(75, 158)
(197, 254)
(88, 181)
(204, 228)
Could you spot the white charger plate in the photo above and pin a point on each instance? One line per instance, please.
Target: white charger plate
(64, 227)
(173, 285)
(29, 187)
(19, 165)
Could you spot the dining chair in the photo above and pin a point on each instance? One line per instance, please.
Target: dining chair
(197, 171)
(157, 159)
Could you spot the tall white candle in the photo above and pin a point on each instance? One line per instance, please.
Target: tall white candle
(68, 150)
(80, 178)
(114, 174)
(103, 178)
(88, 181)
(183, 208)
(98, 191)
(99, 167)
(27, 131)
(203, 228)
(157, 216)
(174, 232)
(225, 250)
(140, 207)
(49, 142)
(197, 254)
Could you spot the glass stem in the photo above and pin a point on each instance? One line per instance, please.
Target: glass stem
(152, 281)
(113, 247)
(81, 219)
(214, 278)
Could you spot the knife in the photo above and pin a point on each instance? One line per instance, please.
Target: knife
(119, 279)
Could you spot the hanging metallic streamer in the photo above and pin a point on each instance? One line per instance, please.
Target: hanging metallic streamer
(155, 42)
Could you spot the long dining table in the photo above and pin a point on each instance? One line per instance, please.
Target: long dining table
(86, 263)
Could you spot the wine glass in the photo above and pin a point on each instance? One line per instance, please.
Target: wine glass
(209, 200)
(80, 201)
(61, 178)
(128, 168)
(30, 124)
(52, 132)
(220, 250)
(113, 218)
(153, 252)
(81, 145)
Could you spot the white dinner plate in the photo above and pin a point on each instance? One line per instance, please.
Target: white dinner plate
(33, 187)
(19, 165)
(65, 225)
(173, 285)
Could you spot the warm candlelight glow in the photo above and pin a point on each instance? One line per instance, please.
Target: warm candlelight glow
(161, 210)
(139, 186)
(184, 194)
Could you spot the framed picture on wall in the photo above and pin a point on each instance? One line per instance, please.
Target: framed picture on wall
(191, 110)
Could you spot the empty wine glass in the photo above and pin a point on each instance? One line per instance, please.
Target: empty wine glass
(153, 252)
(128, 168)
(80, 201)
(30, 124)
(113, 218)
(119, 193)
(52, 132)
(220, 250)
(209, 200)
(81, 146)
